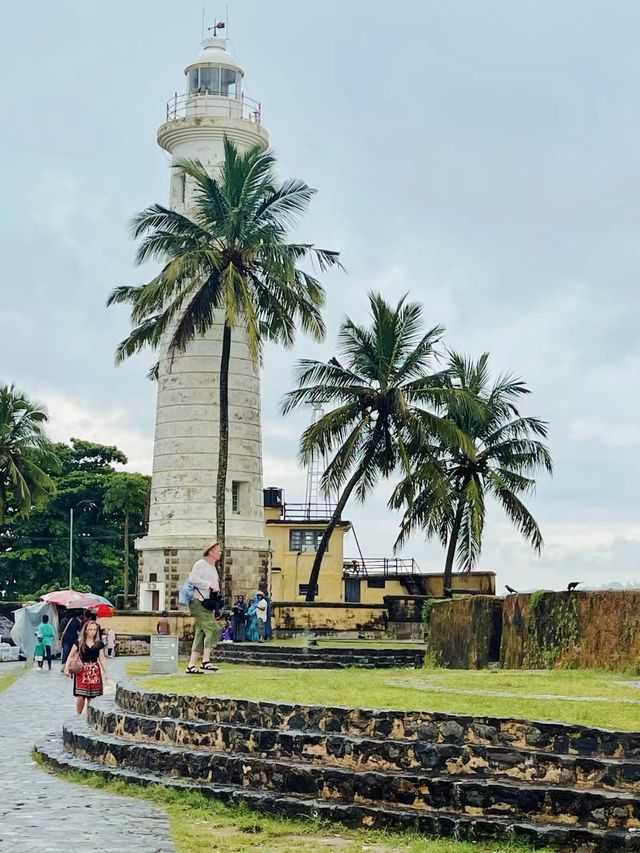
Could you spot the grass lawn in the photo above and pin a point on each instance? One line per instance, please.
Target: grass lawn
(587, 697)
(198, 824)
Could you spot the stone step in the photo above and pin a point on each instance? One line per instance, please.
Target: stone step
(462, 827)
(430, 727)
(369, 753)
(274, 661)
(320, 651)
(593, 807)
(258, 659)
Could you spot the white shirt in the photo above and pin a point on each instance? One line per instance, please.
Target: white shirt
(204, 576)
(261, 609)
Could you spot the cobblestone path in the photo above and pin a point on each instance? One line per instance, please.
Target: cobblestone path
(40, 813)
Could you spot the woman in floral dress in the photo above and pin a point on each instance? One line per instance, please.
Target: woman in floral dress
(88, 682)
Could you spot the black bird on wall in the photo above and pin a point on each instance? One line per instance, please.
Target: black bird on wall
(571, 586)
(510, 589)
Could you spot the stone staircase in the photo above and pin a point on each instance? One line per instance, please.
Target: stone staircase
(317, 657)
(470, 778)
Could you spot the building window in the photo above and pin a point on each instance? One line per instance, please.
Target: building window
(303, 589)
(376, 583)
(228, 83)
(235, 496)
(153, 577)
(213, 80)
(183, 188)
(304, 540)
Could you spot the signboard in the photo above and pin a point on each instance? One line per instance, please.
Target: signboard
(164, 654)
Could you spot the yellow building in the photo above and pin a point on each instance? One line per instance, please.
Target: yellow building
(294, 532)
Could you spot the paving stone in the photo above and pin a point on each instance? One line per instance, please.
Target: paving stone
(40, 813)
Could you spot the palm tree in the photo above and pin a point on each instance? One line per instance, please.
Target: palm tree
(380, 386)
(126, 494)
(445, 496)
(230, 254)
(25, 453)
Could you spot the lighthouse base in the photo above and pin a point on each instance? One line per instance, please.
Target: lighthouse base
(165, 561)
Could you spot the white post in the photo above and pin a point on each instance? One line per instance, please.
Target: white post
(71, 548)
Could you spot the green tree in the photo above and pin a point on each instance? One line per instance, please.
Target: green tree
(386, 396)
(25, 453)
(126, 495)
(34, 551)
(445, 495)
(230, 254)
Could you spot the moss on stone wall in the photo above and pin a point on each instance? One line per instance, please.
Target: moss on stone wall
(552, 629)
(459, 632)
(596, 630)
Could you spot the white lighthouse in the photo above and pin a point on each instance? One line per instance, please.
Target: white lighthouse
(182, 518)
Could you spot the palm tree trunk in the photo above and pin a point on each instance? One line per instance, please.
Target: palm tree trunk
(451, 550)
(126, 560)
(223, 457)
(335, 518)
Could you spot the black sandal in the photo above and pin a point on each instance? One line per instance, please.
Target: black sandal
(192, 670)
(207, 666)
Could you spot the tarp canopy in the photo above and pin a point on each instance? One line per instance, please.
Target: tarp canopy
(27, 620)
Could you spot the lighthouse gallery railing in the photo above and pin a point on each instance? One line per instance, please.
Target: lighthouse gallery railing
(203, 104)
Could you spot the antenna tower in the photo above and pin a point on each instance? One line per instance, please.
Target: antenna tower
(317, 502)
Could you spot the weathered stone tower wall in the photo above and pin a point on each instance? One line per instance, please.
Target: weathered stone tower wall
(182, 518)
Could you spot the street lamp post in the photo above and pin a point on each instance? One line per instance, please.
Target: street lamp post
(91, 503)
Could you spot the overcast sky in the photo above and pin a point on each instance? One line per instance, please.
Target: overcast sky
(481, 155)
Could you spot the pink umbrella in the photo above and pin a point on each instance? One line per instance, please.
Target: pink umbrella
(80, 601)
(63, 597)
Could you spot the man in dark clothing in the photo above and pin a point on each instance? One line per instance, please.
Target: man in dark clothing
(239, 619)
(70, 635)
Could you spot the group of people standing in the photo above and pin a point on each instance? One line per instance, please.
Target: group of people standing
(250, 622)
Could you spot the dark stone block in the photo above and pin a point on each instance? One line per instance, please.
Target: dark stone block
(427, 731)
(432, 756)
(488, 733)
(336, 746)
(585, 744)
(383, 728)
(296, 721)
(451, 731)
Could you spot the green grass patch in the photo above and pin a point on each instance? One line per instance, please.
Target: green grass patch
(7, 679)
(586, 697)
(199, 824)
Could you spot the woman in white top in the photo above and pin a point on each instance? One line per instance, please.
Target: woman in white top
(204, 577)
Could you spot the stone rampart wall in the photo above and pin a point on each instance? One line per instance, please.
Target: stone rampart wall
(459, 631)
(542, 630)
(593, 629)
(294, 616)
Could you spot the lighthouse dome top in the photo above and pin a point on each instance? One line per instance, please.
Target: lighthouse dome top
(214, 51)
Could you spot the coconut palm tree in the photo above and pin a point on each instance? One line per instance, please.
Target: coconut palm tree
(445, 495)
(25, 453)
(386, 395)
(230, 254)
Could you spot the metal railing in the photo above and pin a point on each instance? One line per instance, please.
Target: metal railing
(206, 104)
(380, 567)
(307, 511)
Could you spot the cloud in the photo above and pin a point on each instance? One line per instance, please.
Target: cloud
(72, 418)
